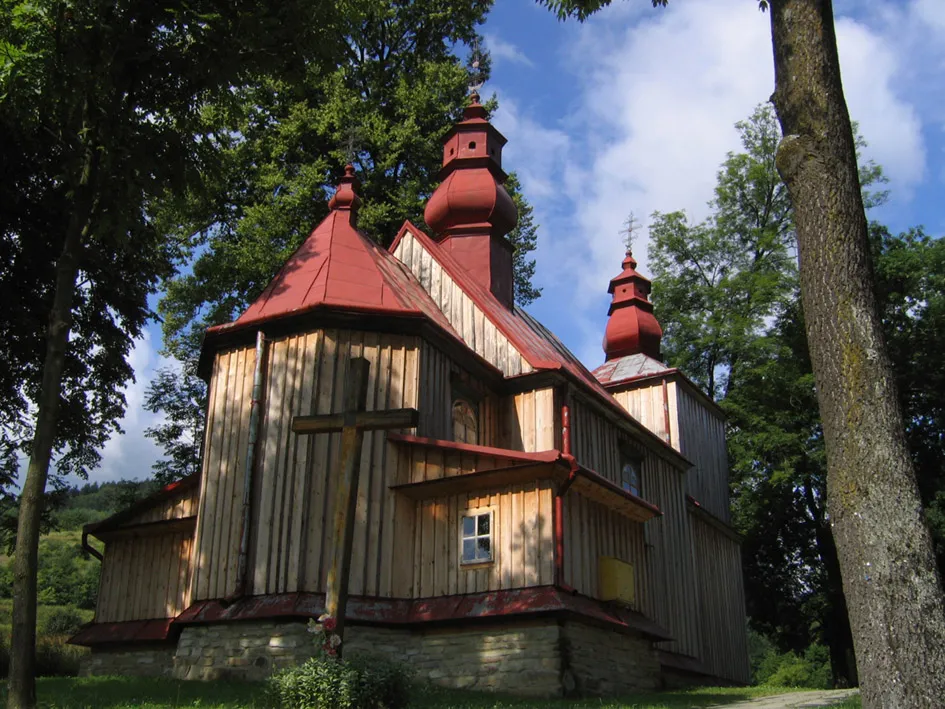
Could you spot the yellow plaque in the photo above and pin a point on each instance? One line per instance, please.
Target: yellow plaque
(616, 580)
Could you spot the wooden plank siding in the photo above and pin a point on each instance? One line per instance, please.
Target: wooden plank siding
(691, 426)
(523, 541)
(721, 602)
(467, 319)
(701, 438)
(144, 578)
(591, 531)
(668, 572)
(293, 485)
(176, 507)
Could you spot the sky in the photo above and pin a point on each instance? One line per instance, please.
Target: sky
(634, 111)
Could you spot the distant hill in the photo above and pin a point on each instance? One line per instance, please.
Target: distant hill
(78, 506)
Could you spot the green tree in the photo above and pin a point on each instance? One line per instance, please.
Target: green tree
(97, 108)
(281, 144)
(182, 398)
(897, 606)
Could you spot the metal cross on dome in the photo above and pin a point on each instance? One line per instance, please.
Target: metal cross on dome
(476, 76)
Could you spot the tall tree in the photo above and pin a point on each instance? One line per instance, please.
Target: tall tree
(181, 396)
(385, 107)
(892, 585)
(100, 100)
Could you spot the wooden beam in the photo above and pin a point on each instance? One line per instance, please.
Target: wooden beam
(365, 420)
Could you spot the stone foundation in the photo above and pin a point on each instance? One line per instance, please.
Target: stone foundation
(545, 658)
(135, 660)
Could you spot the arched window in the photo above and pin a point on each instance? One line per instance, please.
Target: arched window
(630, 476)
(465, 422)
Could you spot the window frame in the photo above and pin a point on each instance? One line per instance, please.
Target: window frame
(632, 459)
(475, 513)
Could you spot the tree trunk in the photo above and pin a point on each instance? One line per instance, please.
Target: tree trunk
(891, 583)
(22, 683)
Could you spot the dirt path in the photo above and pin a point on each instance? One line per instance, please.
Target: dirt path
(797, 700)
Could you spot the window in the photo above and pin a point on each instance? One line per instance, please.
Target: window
(465, 422)
(476, 536)
(630, 475)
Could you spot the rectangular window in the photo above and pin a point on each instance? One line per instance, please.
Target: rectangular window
(476, 538)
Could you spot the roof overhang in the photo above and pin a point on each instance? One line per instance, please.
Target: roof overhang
(120, 519)
(522, 467)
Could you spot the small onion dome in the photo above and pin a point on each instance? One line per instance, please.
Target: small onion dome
(632, 327)
(346, 195)
(471, 198)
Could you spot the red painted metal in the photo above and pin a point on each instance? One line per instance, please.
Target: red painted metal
(476, 607)
(132, 631)
(549, 456)
(632, 327)
(542, 350)
(340, 268)
(470, 211)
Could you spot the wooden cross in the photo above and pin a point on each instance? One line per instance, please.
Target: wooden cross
(352, 423)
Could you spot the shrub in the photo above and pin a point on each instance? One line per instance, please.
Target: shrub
(62, 621)
(324, 682)
(812, 669)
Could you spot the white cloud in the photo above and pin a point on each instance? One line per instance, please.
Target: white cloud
(502, 51)
(658, 94)
(129, 455)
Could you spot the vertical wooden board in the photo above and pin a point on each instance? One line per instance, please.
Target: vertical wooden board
(285, 508)
(229, 472)
(298, 539)
(518, 543)
(426, 526)
(382, 499)
(529, 420)
(204, 532)
(506, 537)
(440, 546)
(224, 470)
(269, 482)
(544, 419)
(546, 541)
(235, 526)
(317, 469)
(399, 512)
(532, 536)
(451, 543)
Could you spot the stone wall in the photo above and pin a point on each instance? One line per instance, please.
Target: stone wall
(136, 660)
(603, 662)
(537, 658)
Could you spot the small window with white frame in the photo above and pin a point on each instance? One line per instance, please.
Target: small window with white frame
(477, 535)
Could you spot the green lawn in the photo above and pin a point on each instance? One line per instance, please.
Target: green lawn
(136, 693)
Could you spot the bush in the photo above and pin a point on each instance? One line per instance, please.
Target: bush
(62, 621)
(56, 658)
(811, 670)
(323, 682)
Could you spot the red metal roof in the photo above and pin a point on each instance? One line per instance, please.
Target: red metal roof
(339, 267)
(540, 347)
(537, 600)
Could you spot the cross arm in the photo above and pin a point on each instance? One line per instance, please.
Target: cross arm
(364, 420)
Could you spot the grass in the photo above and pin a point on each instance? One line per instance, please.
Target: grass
(140, 693)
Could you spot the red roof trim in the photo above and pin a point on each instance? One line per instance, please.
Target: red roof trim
(524, 338)
(457, 609)
(127, 632)
(599, 479)
(549, 456)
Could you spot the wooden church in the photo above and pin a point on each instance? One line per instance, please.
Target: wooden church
(533, 527)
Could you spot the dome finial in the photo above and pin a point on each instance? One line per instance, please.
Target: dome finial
(632, 328)
(346, 195)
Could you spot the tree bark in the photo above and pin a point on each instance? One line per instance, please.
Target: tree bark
(22, 683)
(892, 586)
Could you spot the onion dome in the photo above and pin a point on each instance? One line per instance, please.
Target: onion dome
(632, 327)
(470, 212)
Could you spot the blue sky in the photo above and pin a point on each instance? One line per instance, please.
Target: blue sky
(635, 110)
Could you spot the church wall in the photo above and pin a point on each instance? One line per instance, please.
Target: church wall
(144, 577)
(523, 541)
(294, 480)
(701, 439)
(600, 445)
(721, 602)
(592, 531)
(647, 405)
(476, 330)
(176, 507)
(671, 572)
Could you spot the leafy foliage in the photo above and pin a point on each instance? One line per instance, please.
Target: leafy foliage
(384, 106)
(362, 682)
(182, 397)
